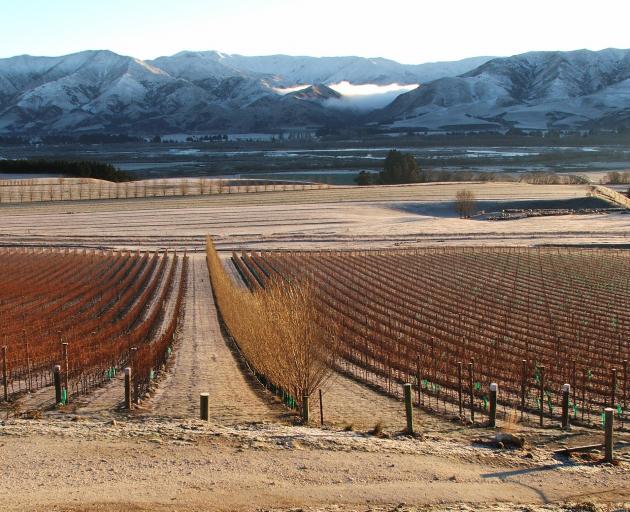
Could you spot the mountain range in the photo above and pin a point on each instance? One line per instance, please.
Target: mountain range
(94, 91)
(576, 90)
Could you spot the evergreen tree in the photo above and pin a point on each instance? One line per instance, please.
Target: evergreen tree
(399, 168)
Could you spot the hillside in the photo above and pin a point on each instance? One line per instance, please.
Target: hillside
(539, 90)
(190, 91)
(102, 91)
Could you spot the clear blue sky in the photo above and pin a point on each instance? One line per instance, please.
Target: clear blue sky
(410, 31)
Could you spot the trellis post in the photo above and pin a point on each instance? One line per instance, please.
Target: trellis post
(471, 378)
(57, 380)
(5, 379)
(494, 390)
(321, 407)
(460, 390)
(128, 393)
(306, 413)
(204, 406)
(566, 389)
(523, 385)
(408, 408)
(541, 370)
(609, 415)
(66, 379)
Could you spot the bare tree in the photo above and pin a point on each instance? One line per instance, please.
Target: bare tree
(465, 203)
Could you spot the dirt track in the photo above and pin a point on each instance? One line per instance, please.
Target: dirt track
(204, 363)
(159, 465)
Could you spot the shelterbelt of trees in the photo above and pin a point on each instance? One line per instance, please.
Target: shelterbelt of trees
(74, 169)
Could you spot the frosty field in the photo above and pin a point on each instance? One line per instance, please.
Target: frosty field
(189, 462)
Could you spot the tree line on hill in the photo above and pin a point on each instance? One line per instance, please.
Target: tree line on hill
(78, 169)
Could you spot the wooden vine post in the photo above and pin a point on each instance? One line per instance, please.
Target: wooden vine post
(566, 390)
(418, 380)
(28, 362)
(408, 408)
(57, 380)
(523, 385)
(494, 390)
(64, 356)
(609, 415)
(128, 393)
(134, 380)
(321, 407)
(306, 413)
(5, 377)
(625, 383)
(460, 389)
(204, 406)
(471, 390)
(541, 370)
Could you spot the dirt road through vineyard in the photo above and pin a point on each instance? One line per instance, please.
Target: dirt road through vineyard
(204, 363)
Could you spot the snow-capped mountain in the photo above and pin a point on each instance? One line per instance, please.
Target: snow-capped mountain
(103, 91)
(539, 90)
(88, 90)
(211, 91)
(287, 71)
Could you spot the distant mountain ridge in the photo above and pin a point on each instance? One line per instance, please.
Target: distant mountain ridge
(287, 71)
(190, 91)
(100, 91)
(574, 90)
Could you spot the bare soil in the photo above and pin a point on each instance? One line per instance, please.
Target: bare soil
(204, 363)
(188, 465)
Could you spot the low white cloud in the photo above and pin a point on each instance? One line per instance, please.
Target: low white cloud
(348, 89)
(366, 96)
(363, 97)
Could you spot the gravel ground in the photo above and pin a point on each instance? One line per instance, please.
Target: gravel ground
(188, 465)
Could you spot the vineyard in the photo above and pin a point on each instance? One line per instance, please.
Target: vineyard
(90, 312)
(451, 321)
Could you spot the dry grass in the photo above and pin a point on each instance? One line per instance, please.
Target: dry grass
(378, 429)
(279, 330)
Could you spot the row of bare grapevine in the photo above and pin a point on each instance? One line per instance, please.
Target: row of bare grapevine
(529, 319)
(87, 311)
